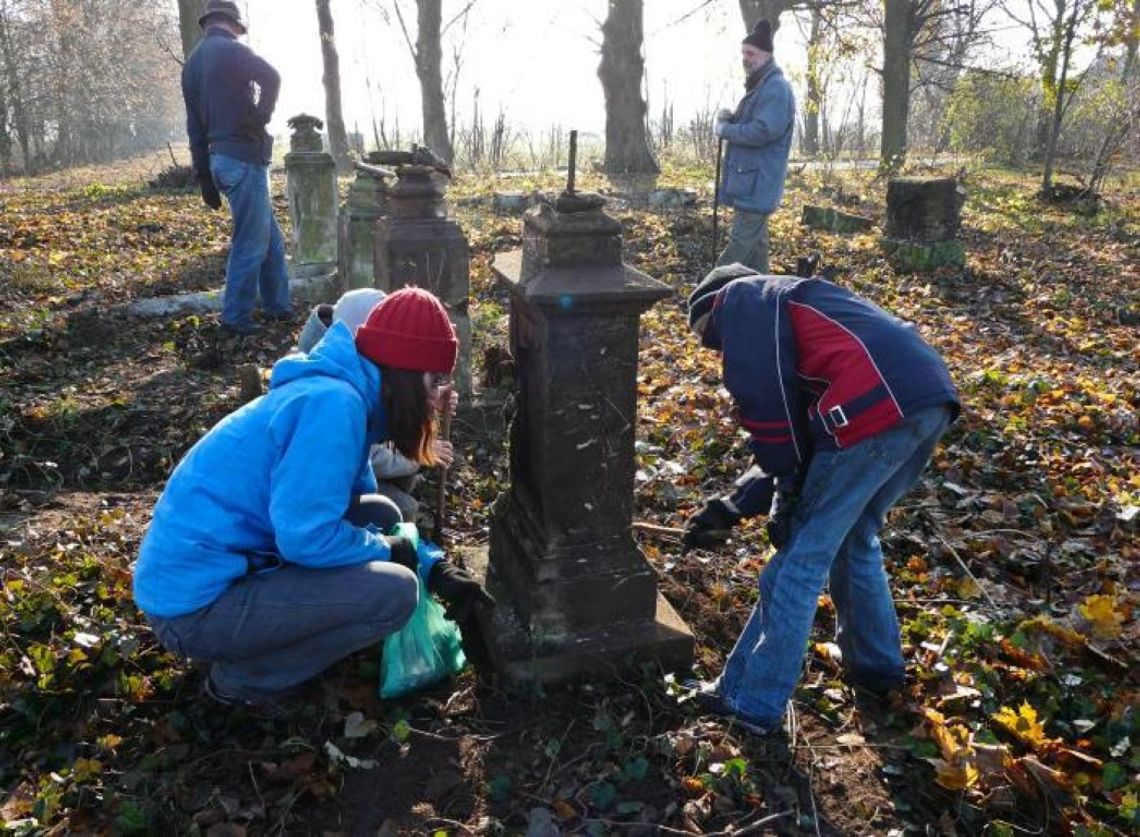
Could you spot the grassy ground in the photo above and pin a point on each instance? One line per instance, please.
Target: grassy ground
(1013, 565)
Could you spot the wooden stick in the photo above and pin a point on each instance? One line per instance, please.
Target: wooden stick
(654, 529)
(441, 494)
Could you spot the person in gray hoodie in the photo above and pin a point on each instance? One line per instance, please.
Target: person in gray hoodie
(758, 135)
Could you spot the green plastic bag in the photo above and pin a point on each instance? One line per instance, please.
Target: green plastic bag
(428, 649)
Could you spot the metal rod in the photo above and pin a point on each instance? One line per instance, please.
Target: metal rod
(716, 203)
(572, 166)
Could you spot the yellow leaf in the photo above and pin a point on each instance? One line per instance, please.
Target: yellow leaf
(957, 775)
(85, 769)
(1023, 723)
(1106, 621)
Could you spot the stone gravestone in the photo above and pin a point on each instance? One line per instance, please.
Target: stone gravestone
(367, 202)
(310, 183)
(923, 218)
(418, 244)
(576, 596)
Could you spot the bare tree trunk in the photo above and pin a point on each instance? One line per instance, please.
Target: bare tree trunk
(429, 58)
(1118, 130)
(755, 10)
(1070, 33)
(898, 46)
(813, 107)
(621, 71)
(334, 117)
(188, 13)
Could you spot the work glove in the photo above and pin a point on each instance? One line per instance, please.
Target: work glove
(780, 516)
(724, 115)
(210, 195)
(456, 587)
(709, 527)
(403, 552)
(252, 127)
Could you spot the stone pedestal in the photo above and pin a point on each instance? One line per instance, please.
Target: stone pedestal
(367, 203)
(576, 596)
(418, 244)
(833, 220)
(923, 218)
(310, 183)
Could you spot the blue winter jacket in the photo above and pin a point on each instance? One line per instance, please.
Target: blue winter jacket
(230, 93)
(759, 140)
(272, 478)
(811, 365)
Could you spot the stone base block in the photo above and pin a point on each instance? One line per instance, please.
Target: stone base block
(314, 283)
(827, 218)
(924, 257)
(599, 653)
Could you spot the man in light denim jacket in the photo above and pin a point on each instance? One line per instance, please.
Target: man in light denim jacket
(759, 138)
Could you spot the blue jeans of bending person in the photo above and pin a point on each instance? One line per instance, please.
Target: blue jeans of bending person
(834, 540)
(256, 264)
(271, 631)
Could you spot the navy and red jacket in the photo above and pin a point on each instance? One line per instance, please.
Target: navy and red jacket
(811, 366)
(230, 93)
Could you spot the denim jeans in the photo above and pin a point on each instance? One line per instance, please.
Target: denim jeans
(257, 250)
(747, 241)
(273, 630)
(834, 540)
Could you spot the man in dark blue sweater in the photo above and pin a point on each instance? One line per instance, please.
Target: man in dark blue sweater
(230, 93)
(844, 404)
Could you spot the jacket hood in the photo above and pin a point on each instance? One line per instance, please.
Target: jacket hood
(335, 356)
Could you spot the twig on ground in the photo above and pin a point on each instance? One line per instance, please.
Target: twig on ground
(966, 570)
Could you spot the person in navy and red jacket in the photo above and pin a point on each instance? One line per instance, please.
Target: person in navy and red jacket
(844, 404)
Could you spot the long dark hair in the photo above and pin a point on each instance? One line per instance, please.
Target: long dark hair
(409, 414)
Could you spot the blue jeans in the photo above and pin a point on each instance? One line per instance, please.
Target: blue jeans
(834, 540)
(273, 630)
(257, 250)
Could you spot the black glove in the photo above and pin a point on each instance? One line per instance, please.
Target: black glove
(403, 552)
(710, 527)
(210, 195)
(252, 127)
(458, 589)
(780, 517)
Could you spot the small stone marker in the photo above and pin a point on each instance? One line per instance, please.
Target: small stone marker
(310, 183)
(416, 243)
(924, 215)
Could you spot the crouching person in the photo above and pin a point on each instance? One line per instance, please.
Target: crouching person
(845, 404)
(265, 556)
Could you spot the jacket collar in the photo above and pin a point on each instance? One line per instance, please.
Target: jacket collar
(757, 77)
(220, 32)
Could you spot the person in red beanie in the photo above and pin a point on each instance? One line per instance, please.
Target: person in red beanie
(267, 555)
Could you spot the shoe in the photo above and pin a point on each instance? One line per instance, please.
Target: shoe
(709, 698)
(286, 316)
(240, 329)
(268, 709)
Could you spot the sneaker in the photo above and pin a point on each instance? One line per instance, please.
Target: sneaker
(240, 329)
(709, 698)
(286, 316)
(267, 709)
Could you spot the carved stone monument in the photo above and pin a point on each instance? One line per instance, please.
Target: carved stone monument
(923, 218)
(576, 596)
(367, 202)
(417, 243)
(310, 183)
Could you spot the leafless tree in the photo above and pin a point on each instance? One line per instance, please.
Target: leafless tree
(621, 72)
(334, 116)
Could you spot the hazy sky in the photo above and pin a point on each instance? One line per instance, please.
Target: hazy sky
(535, 58)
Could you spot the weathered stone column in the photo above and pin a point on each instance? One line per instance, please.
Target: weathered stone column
(923, 218)
(310, 183)
(418, 244)
(576, 596)
(367, 203)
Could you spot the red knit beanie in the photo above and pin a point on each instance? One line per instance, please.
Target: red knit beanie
(409, 330)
